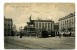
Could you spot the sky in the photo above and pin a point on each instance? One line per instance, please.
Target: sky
(20, 12)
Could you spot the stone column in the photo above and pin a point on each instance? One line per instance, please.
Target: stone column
(38, 25)
(47, 26)
(50, 25)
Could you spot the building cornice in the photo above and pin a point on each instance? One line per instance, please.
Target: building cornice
(68, 16)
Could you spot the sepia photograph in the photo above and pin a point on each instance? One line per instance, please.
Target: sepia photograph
(39, 26)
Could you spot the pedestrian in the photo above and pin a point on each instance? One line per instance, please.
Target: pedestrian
(59, 35)
(20, 34)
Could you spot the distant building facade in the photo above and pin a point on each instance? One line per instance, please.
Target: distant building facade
(8, 26)
(14, 30)
(56, 28)
(67, 24)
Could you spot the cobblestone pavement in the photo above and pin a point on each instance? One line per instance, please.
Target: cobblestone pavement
(39, 43)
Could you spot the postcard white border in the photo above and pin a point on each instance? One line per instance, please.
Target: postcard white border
(29, 1)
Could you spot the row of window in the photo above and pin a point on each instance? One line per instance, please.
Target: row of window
(7, 25)
(8, 21)
(67, 23)
(47, 26)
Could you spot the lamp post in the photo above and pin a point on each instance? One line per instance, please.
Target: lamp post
(21, 32)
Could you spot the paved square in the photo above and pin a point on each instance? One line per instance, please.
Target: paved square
(39, 43)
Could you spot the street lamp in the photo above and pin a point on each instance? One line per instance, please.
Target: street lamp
(21, 32)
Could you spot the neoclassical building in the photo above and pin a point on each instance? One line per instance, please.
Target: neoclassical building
(44, 24)
(67, 23)
(8, 23)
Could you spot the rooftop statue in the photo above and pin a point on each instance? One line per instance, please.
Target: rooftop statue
(30, 18)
